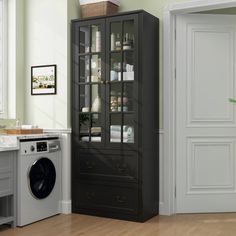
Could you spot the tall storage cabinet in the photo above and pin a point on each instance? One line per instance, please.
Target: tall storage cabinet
(115, 167)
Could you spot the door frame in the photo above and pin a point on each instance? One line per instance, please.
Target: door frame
(169, 83)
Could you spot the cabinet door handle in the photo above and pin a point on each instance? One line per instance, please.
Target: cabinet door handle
(102, 82)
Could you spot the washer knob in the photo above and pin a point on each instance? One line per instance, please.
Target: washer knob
(32, 148)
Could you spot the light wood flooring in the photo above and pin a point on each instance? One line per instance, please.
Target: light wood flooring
(178, 225)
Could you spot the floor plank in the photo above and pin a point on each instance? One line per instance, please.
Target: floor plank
(83, 225)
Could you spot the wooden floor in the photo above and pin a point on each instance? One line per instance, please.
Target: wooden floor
(179, 225)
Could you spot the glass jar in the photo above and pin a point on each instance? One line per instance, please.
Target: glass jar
(113, 102)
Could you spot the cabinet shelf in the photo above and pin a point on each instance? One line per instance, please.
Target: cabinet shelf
(121, 81)
(93, 113)
(90, 83)
(106, 82)
(122, 112)
(122, 50)
(88, 54)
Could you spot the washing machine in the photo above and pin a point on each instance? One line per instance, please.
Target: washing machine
(39, 179)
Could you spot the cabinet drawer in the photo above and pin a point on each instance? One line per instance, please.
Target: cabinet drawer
(105, 165)
(6, 184)
(6, 162)
(108, 198)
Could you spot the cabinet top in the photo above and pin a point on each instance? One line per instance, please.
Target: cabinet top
(113, 15)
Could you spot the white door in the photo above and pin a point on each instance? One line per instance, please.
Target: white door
(205, 120)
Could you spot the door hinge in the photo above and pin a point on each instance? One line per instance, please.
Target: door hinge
(175, 73)
(175, 35)
(175, 191)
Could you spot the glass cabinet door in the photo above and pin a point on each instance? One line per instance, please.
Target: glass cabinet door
(121, 81)
(91, 53)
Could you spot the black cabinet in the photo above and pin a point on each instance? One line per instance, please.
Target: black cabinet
(115, 169)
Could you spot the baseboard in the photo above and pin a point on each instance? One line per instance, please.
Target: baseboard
(66, 207)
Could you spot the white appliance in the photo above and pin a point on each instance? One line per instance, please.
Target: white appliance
(39, 179)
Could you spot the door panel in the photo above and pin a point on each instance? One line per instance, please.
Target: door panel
(205, 120)
(210, 64)
(210, 164)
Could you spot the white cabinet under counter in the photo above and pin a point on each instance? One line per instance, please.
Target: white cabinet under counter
(8, 186)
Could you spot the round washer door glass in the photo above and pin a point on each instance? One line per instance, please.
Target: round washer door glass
(42, 178)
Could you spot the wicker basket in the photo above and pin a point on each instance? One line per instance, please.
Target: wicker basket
(98, 9)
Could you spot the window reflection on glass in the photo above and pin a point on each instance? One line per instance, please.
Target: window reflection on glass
(84, 37)
(128, 36)
(76, 102)
(84, 127)
(84, 98)
(96, 128)
(115, 128)
(96, 38)
(128, 97)
(84, 69)
(95, 68)
(128, 129)
(116, 36)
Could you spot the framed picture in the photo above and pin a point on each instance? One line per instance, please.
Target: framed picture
(43, 80)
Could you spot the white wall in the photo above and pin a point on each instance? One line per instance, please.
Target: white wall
(46, 42)
(73, 13)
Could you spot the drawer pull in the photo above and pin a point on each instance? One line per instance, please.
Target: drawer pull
(90, 165)
(120, 199)
(122, 168)
(89, 195)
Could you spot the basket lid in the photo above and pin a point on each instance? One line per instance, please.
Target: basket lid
(84, 2)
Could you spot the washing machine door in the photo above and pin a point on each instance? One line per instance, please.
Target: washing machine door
(42, 178)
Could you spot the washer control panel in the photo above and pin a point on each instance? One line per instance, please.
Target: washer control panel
(42, 146)
(39, 145)
(36, 147)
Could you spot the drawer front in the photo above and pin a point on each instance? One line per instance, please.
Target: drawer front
(105, 165)
(6, 184)
(108, 198)
(6, 162)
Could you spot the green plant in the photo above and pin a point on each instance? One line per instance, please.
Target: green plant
(232, 100)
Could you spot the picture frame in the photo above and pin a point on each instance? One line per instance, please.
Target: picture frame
(44, 80)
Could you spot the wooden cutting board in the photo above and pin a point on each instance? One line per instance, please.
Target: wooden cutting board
(24, 131)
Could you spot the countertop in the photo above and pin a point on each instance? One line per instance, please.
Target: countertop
(5, 149)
